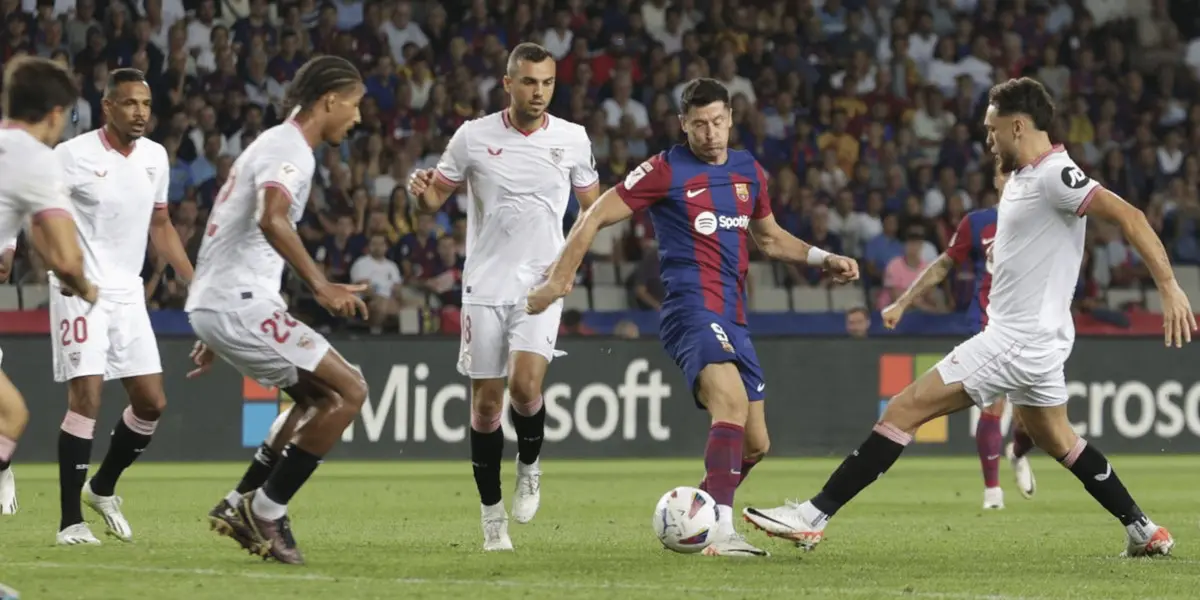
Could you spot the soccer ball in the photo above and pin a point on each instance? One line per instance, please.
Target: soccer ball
(685, 520)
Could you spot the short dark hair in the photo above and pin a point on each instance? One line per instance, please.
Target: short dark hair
(1024, 96)
(527, 52)
(318, 77)
(34, 87)
(702, 91)
(120, 76)
(859, 309)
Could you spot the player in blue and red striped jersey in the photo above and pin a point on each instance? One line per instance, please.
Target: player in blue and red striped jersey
(705, 200)
(971, 245)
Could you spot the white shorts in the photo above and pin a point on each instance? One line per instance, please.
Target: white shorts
(993, 364)
(261, 341)
(111, 339)
(490, 334)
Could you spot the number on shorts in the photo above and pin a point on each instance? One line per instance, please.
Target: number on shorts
(720, 333)
(279, 326)
(466, 327)
(73, 331)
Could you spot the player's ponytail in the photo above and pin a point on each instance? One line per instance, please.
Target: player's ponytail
(316, 78)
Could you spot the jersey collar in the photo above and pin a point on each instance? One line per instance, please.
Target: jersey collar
(509, 124)
(1037, 161)
(108, 144)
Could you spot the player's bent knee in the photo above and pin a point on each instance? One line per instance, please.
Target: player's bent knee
(756, 450)
(83, 396)
(525, 389)
(14, 416)
(487, 397)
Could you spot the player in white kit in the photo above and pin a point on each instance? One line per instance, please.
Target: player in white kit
(117, 183)
(1036, 258)
(37, 98)
(518, 167)
(238, 313)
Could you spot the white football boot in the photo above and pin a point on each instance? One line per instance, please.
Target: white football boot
(8, 492)
(495, 528)
(790, 522)
(76, 535)
(109, 508)
(993, 498)
(1022, 471)
(529, 491)
(1159, 543)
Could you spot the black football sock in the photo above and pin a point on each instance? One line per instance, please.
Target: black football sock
(487, 450)
(530, 429)
(129, 439)
(259, 470)
(1100, 480)
(74, 453)
(293, 470)
(872, 459)
(4, 465)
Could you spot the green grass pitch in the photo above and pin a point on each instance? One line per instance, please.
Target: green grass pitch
(411, 530)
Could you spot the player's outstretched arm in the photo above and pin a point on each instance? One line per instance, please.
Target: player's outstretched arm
(276, 226)
(610, 209)
(167, 243)
(778, 244)
(931, 277)
(1178, 319)
(55, 238)
(957, 253)
(430, 189)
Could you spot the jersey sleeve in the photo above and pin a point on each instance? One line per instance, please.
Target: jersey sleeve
(583, 174)
(46, 193)
(452, 166)
(1069, 188)
(959, 248)
(647, 184)
(164, 181)
(762, 202)
(287, 172)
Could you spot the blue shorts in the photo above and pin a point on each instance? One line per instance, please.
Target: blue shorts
(698, 339)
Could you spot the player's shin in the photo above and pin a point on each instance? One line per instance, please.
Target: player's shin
(872, 459)
(1022, 443)
(722, 467)
(988, 442)
(267, 456)
(529, 423)
(130, 438)
(1092, 468)
(74, 453)
(487, 450)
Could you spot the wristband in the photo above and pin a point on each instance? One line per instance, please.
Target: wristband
(816, 256)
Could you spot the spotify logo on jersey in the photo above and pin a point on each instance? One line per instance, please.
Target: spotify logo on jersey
(707, 223)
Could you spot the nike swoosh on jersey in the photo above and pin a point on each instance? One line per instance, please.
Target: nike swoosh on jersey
(694, 193)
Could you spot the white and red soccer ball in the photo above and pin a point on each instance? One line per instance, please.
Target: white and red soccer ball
(685, 520)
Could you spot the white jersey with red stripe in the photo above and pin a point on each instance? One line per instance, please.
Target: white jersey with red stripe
(31, 183)
(518, 185)
(114, 195)
(236, 262)
(1038, 250)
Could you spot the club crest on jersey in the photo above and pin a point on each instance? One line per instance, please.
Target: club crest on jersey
(742, 191)
(556, 155)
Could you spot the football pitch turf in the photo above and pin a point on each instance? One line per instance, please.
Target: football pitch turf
(411, 530)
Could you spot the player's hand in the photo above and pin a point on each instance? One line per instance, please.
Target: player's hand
(843, 268)
(541, 297)
(343, 300)
(90, 294)
(420, 181)
(1178, 320)
(892, 314)
(203, 358)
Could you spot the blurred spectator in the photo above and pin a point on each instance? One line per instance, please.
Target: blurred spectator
(384, 298)
(417, 251)
(858, 322)
(646, 285)
(572, 323)
(341, 249)
(627, 330)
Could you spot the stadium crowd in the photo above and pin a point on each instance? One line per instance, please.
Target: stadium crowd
(867, 114)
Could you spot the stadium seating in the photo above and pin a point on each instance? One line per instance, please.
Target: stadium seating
(875, 114)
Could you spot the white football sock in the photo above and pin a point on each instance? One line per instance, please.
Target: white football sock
(266, 507)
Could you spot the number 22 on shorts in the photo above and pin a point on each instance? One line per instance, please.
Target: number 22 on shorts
(722, 338)
(279, 326)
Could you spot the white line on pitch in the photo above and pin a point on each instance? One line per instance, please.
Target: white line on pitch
(557, 585)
